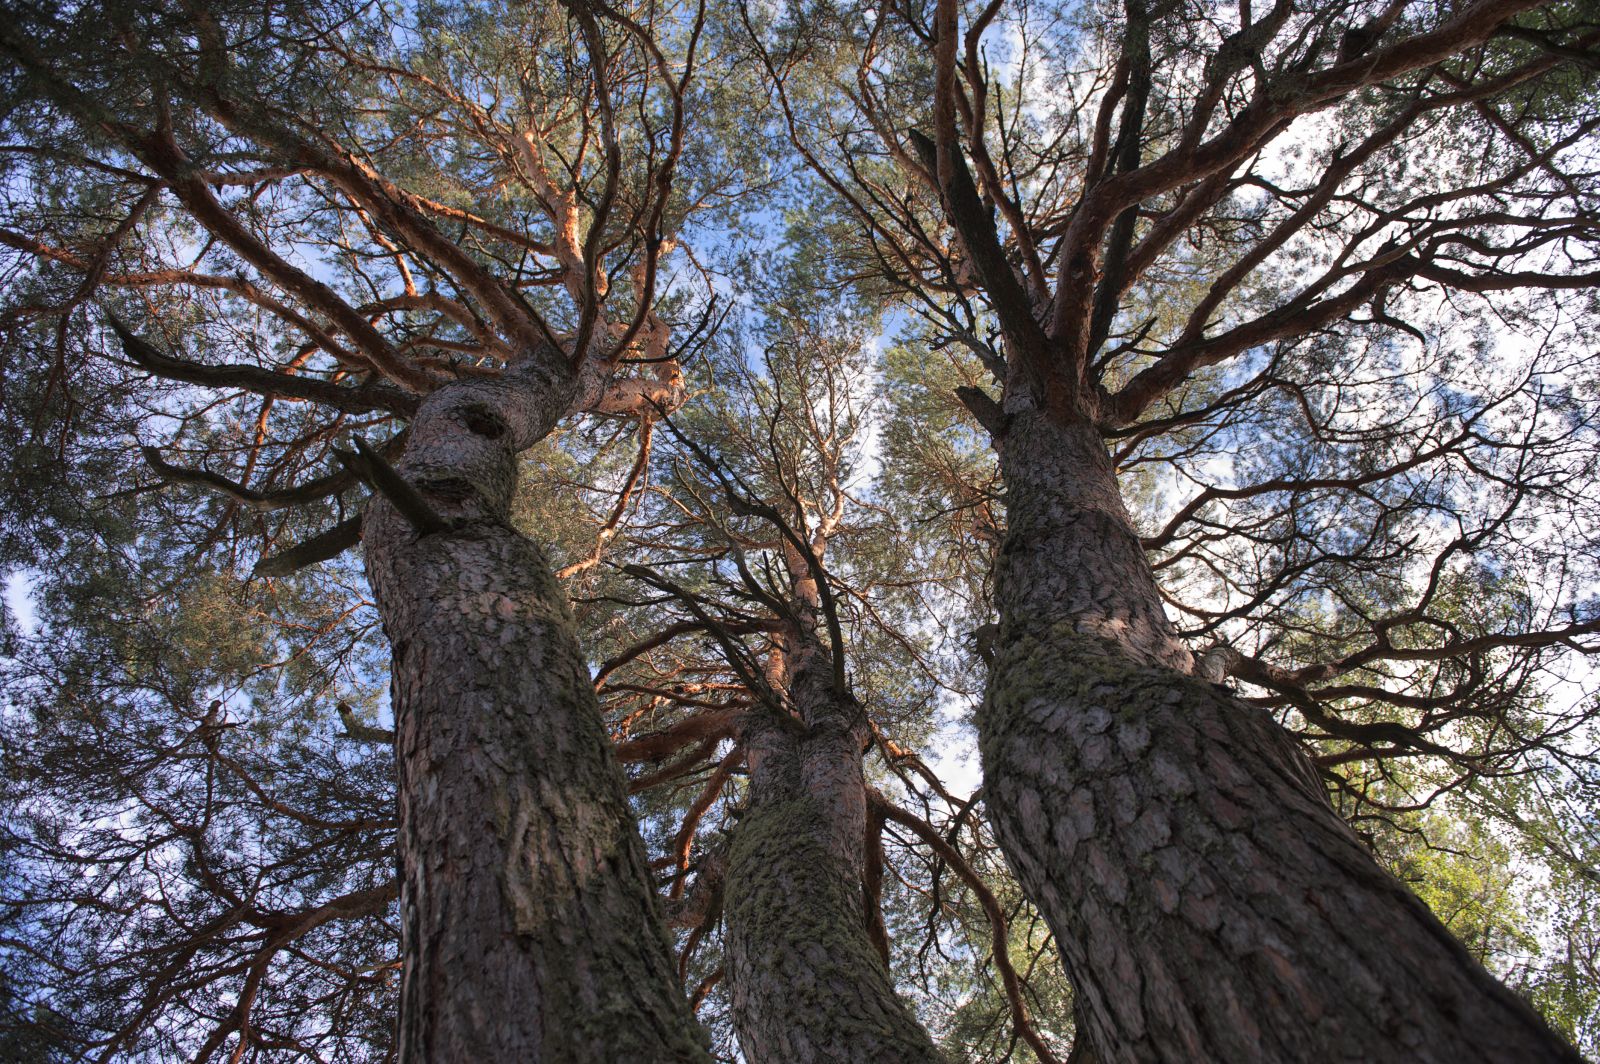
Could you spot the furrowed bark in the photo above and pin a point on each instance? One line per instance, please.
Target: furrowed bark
(808, 984)
(530, 929)
(1208, 902)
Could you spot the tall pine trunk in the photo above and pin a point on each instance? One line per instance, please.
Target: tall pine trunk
(1208, 902)
(808, 986)
(530, 930)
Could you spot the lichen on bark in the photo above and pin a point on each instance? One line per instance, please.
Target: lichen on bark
(530, 929)
(808, 984)
(1208, 903)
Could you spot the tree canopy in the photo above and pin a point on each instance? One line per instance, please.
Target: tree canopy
(696, 352)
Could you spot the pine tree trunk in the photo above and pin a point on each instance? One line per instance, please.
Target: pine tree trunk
(530, 929)
(1208, 902)
(808, 986)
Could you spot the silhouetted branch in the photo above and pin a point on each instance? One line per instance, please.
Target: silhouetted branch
(319, 548)
(366, 463)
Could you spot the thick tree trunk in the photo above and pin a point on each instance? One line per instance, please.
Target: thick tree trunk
(808, 986)
(530, 929)
(1208, 902)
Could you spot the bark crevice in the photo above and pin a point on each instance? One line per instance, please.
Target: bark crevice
(530, 929)
(808, 983)
(1208, 902)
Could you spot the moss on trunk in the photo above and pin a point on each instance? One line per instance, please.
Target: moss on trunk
(530, 928)
(1208, 903)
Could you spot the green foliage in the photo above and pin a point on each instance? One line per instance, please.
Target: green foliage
(1391, 506)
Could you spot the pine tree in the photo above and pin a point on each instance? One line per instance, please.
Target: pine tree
(1229, 439)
